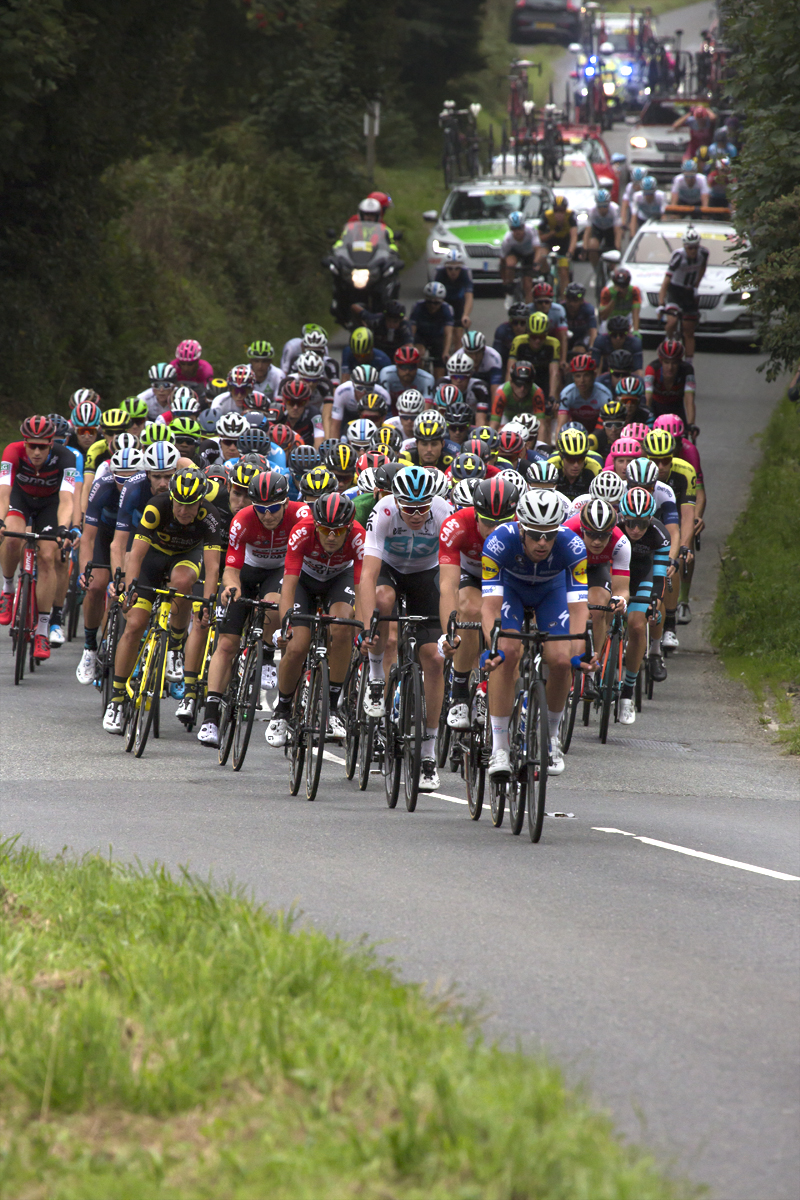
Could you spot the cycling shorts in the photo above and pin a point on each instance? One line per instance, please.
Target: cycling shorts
(157, 568)
(685, 299)
(604, 236)
(257, 582)
(101, 553)
(336, 589)
(469, 580)
(40, 512)
(641, 587)
(525, 261)
(549, 604)
(421, 591)
(599, 576)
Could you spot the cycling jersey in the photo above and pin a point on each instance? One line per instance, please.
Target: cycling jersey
(97, 453)
(623, 299)
(504, 335)
(581, 323)
(649, 564)
(572, 488)
(490, 368)
(431, 324)
(556, 318)
(547, 586)
(57, 473)
(534, 402)
(133, 498)
(688, 452)
(389, 380)
(306, 554)
(273, 380)
(204, 373)
(103, 504)
(616, 552)
(683, 482)
(664, 397)
(521, 247)
(603, 347)
(684, 271)
(686, 193)
(649, 206)
(308, 425)
(386, 339)
(558, 223)
(365, 502)
(346, 407)
(250, 544)
(584, 409)
(161, 530)
(666, 507)
(409, 455)
(154, 409)
(609, 219)
(408, 551)
(461, 543)
(549, 351)
(457, 289)
(78, 456)
(376, 359)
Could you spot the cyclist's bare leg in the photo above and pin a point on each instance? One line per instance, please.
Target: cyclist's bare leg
(671, 325)
(128, 645)
(557, 656)
(219, 668)
(11, 548)
(390, 650)
(501, 680)
(563, 281)
(340, 642)
(689, 326)
(634, 651)
(433, 682)
(94, 600)
(46, 578)
(599, 595)
(469, 609)
(593, 248)
(292, 659)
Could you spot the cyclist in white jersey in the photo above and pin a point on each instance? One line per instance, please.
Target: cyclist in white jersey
(680, 287)
(647, 204)
(518, 247)
(603, 227)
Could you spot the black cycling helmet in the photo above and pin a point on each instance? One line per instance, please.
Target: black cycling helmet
(268, 487)
(495, 499)
(302, 459)
(384, 475)
(335, 510)
(618, 325)
(255, 438)
(575, 291)
(468, 466)
(621, 362)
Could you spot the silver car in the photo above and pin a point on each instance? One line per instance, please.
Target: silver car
(654, 144)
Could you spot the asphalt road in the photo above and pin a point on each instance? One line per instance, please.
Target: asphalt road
(665, 981)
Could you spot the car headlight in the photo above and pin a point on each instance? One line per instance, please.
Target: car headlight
(583, 215)
(639, 143)
(745, 296)
(441, 247)
(609, 88)
(360, 277)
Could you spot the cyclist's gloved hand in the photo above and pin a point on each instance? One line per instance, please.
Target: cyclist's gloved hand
(619, 602)
(487, 657)
(63, 533)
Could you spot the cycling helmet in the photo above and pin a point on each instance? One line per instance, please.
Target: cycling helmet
(154, 433)
(458, 415)
(626, 447)
(370, 210)
(406, 356)
(538, 324)
(365, 480)
(441, 482)
(638, 503)
(619, 324)
(631, 387)
(188, 351)
(602, 196)
(575, 291)
(114, 420)
(326, 446)
(251, 460)
(473, 341)
(342, 459)
(410, 403)
(387, 440)
(393, 308)
(659, 443)
(364, 375)
(541, 472)
(261, 350)
(460, 364)
(454, 257)
(216, 387)
(620, 362)
(161, 456)
(434, 291)
(574, 425)
(513, 477)
(522, 372)
(268, 487)
(518, 311)
(371, 458)
(516, 220)
(543, 291)
(607, 485)
(430, 427)
(468, 466)
(81, 395)
(385, 474)
(671, 350)
(496, 499)
(283, 436)
(446, 395)
(529, 422)
(86, 415)
(185, 429)
(63, 427)
(539, 509)
(374, 404)
(188, 486)
(362, 341)
(474, 445)
(649, 184)
(637, 174)
(335, 510)
(414, 485)
(510, 442)
(136, 408)
(573, 442)
(126, 462)
(315, 340)
(691, 237)
(162, 374)
(361, 432)
(302, 459)
(296, 391)
(258, 401)
(641, 472)
(383, 198)
(317, 482)
(636, 430)
(463, 492)
(127, 441)
(241, 377)
(309, 365)
(184, 400)
(613, 410)
(487, 435)
(217, 477)
(672, 423)
(598, 516)
(254, 439)
(232, 425)
(621, 278)
(582, 362)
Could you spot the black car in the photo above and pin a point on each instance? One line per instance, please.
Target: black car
(535, 21)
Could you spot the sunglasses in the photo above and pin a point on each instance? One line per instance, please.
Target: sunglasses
(519, 321)
(573, 458)
(331, 531)
(268, 508)
(633, 523)
(415, 510)
(548, 535)
(613, 424)
(38, 445)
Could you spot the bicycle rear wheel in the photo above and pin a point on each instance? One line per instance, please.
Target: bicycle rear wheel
(445, 732)
(608, 685)
(73, 600)
(149, 689)
(317, 723)
(518, 784)
(352, 690)
(19, 628)
(227, 715)
(538, 756)
(110, 649)
(247, 703)
(412, 708)
(392, 751)
(497, 799)
(296, 742)
(570, 712)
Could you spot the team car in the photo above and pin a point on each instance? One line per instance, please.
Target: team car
(654, 144)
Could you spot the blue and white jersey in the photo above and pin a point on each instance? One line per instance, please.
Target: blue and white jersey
(389, 380)
(103, 503)
(407, 550)
(132, 500)
(565, 566)
(78, 463)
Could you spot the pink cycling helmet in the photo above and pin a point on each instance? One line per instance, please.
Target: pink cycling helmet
(188, 351)
(626, 446)
(671, 423)
(636, 430)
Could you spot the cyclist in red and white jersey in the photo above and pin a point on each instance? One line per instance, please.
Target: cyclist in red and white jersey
(669, 383)
(608, 556)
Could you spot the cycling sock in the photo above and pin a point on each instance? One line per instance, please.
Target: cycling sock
(461, 685)
(655, 645)
(190, 681)
(56, 614)
(8, 585)
(376, 667)
(118, 689)
(626, 692)
(429, 743)
(212, 707)
(335, 691)
(89, 639)
(176, 638)
(269, 655)
(499, 732)
(630, 680)
(553, 722)
(683, 595)
(669, 621)
(43, 625)
(284, 706)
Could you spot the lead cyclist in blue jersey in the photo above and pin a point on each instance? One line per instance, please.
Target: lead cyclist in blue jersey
(532, 563)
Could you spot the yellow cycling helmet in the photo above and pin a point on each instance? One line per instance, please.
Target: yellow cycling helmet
(373, 403)
(342, 458)
(317, 482)
(659, 443)
(185, 429)
(538, 323)
(612, 410)
(573, 442)
(188, 486)
(362, 341)
(243, 472)
(156, 431)
(115, 420)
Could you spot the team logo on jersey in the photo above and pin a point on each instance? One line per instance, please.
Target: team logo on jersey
(579, 572)
(493, 545)
(490, 568)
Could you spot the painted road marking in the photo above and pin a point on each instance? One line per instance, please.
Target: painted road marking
(716, 858)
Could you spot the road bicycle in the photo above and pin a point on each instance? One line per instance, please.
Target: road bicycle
(74, 597)
(114, 626)
(308, 724)
(476, 745)
(239, 702)
(210, 646)
(25, 614)
(445, 734)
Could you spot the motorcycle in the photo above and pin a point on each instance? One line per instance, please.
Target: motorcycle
(365, 269)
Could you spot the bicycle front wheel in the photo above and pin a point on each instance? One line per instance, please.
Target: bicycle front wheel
(296, 743)
(352, 712)
(19, 631)
(413, 715)
(392, 751)
(317, 725)
(518, 784)
(149, 689)
(538, 756)
(247, 703)
(608, 686)
(110, 649)
(570, 712)
(227, 715)
(443, 738)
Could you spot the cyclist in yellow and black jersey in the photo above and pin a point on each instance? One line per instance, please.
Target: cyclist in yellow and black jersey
(558, 227)
(544, 354)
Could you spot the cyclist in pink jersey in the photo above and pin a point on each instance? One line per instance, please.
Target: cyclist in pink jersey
(190, 366)
(688, 451)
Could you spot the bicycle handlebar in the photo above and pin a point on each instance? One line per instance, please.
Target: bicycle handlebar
(453, 625)
(315, 619)
(35, 537)
(537, 636)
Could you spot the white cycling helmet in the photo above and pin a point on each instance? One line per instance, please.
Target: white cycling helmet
(309, 365)
(454, 257)
(434, 291)
(540, 509)
(232, 425)
(516, 426)
(361, 432)
(607, 485)
(315, 341)
(529, 422)
(462, 494)
(460, 364)
(441, 484)
(161, 456)
(126, 462)
(184, 400)
(410, 403)
(514, 478)
(691, 237)
(127, 441)
(579, 501)
(542, 474)
(364, 375)
(366, 480)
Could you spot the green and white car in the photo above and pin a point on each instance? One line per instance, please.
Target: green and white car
(475, 219)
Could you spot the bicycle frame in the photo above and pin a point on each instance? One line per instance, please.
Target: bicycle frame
(25, 596)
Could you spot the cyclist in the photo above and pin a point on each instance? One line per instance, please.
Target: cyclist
(85, 421)
(686, 450)
(113, 422)
(618, 337)
(680, 286)
(406, 373)
(670, 384)
(241, 382)
(254, 563)
(179, 532)
(603, 227)
(457, 279)
(520, 394)
(518, 248)
(620, 365)
(719, 179)
(268, 377)
(648, 204)
(690, 188)
(431, 446)
(314, 340)
(401, 556)
(532, 563)
(623, 451)
(558, 229)
(544, 353)
(290, 347)
(432, 322)
(409, 405)
(160, 461)
(680, 476)
(474, 392)
(299, 413)
(390, 327)
(635, 181)
(345, 403)
(361, 352)
(631, 393)
(341, 462)
(461, 541)
(323, 563)
(516, 326)
(37, 491)
(459, 418)
(556, 316)
(163, 379)
(621, 298)
(649, 543)
(310, 367)
(612, 420)
(699, 120)
(608, 554)
(575, 469)
(581, 318)
(583, 399)
(381, 486)
(190, 366)
(137, 411)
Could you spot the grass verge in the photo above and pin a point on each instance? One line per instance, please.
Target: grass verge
(160, 1038)
(755, 621)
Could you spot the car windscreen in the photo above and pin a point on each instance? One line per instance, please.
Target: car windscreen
(575, 175)
(492, 204)
(661, 114)
(656, 249)
(622, 41)
(533, 6)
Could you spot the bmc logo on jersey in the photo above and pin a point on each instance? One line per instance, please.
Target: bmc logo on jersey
(490, 568)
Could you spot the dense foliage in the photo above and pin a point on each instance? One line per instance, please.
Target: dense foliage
(169, 170)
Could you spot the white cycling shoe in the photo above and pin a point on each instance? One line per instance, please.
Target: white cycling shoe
(185, 710)
(208, 734)
(277, 732)
(336, 727)
(669, 640)
(458, 716)
(57, 636)
(112, 720)
(269, 676)
(627, 712)
(499, 763)
(174, 667)
(428, 776)
(557, 763)
(373, 698)
(86, 669)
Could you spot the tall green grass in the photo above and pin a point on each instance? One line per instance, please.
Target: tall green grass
(162, 1038)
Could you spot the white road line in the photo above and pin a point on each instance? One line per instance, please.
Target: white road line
(725, 862)
(437, 795)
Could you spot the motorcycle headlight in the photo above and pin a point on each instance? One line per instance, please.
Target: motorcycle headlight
(609, 88)
(639, 143)
(360, 277)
